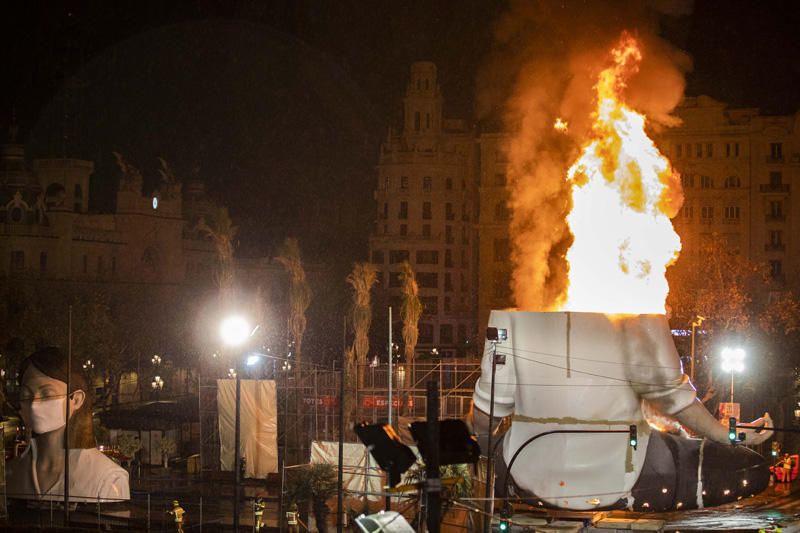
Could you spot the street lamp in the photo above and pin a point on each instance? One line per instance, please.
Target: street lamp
(732, 362)
(157, 384)
(156, 360)
(235, 330)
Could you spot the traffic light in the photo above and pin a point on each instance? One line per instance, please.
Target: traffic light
(776, 448)
(732, 430)
(634, 441)
(504, 525)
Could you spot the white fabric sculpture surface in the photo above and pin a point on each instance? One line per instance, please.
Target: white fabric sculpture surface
(580, 371)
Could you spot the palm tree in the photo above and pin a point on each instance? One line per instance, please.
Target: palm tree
(362, 278)
(299, 293)
(222, 232)
(410, 311)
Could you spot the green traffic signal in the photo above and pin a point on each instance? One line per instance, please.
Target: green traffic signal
(732, 430)
(634, 440)
(503, 525)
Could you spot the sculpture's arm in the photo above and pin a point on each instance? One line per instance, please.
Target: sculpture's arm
(702, 423)
(480, 423)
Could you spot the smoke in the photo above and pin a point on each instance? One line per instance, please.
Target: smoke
(544, 65)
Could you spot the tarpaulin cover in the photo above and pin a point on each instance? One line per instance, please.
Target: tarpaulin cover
(259, 425)
(360, 472)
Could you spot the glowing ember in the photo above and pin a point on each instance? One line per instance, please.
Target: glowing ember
(561, 125)
(624, 193)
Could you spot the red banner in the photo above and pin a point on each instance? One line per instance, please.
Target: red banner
(324, 401)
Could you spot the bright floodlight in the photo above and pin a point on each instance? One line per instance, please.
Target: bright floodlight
(733, 360)
(234, 330)
(253, 359)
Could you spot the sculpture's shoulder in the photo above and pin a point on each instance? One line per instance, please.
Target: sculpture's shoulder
(100, 477)
(18, 475)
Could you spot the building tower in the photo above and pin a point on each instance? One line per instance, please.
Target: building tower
(424, 196)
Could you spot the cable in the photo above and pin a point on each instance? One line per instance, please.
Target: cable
(562, 356)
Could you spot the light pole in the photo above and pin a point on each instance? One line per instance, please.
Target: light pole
(696, 323)
(235, 331)
(733, 361)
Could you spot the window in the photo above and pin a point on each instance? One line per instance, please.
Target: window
(447, 304)
(427, 257)
(502, 250)
(776, 237)
(687, 180)
(426, 333)
(427, 184)
(776, 151)
(403, 214)
(385, 211)
(462, 333)
(735, 149)
(501, 284)
(448, 184)
(16, 214)
(426, 230)
(403, 183)
(687, 212)
(678, 151)
(43, 262)
(732, 212)
(448, 258)
(709, 149)
(707, 213)
(17, 260)
(416, 120)
(379, 279)
(446, 333)
(449, 214)
(448, 282)
(403, 230)
(501, 211)
(776, 209)
(428, 280)
(398, 256)
(688, 150)
(464, 213)
(430, 304)
(464, 237)
(733, 182)
(727, 149)
(775, 268)
(377, 257)
(500, 179)
(395, 279)
(706, 182)
(448, 234)
(698, 150)
(86, 263)
(464, 259)
(775, 179)
(426, 211)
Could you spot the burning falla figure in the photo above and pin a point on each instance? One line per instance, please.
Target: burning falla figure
(608, 355)
(591, 371)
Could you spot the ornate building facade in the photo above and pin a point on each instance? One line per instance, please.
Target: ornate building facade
(442, 203)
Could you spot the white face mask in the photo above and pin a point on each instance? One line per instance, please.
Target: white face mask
(44, 416)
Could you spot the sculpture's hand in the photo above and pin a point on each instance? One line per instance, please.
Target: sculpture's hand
(755, 436)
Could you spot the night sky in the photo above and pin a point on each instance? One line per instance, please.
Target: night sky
(280, 106)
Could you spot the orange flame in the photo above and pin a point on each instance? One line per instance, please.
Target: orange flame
(624, 192)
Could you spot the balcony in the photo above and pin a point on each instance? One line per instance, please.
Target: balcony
(775, 217)
(774, 187)
(774, 160)
(773, 247)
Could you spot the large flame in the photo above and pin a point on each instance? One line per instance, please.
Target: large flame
(624, 192)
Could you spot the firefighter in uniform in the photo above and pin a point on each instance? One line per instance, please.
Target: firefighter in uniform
(258, 513)
(177, 512)
(293, 519)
